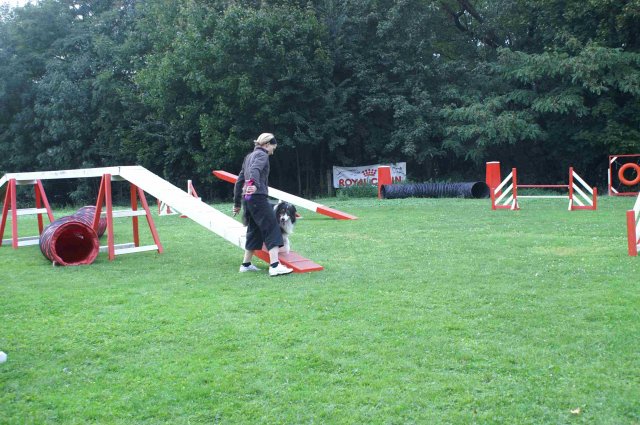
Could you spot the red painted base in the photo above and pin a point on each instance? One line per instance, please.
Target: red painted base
(298, 263)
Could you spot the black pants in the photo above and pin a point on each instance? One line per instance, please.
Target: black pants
(262, 226)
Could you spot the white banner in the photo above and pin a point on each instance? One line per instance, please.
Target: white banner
(366, 175)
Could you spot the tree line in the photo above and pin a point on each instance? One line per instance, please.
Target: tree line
(182, 88)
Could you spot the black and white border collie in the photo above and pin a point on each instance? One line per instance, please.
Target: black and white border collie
(286, 217)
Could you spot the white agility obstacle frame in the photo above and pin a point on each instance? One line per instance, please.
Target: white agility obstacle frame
(580, 195)
(143, 180)
(633, 228)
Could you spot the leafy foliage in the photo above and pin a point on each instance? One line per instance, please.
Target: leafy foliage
(184, 87)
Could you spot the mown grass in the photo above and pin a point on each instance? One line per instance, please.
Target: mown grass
(428, 311)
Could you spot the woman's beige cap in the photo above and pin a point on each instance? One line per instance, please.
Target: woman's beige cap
(264, 138)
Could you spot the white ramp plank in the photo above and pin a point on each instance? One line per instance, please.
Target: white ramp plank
(203, 214)
(64, 174)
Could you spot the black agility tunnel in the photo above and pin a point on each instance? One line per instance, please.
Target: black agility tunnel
(435, 190)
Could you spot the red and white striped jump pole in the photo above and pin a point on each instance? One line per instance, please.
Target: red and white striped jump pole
(506, 197)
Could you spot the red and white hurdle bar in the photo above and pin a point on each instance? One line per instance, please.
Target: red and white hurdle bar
(633, 228)
(581, 196)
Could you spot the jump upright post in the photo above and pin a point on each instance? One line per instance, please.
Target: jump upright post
(581, 196)
(633, 228)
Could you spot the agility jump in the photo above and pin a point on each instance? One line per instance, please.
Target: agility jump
(293, 199)
(581, 196)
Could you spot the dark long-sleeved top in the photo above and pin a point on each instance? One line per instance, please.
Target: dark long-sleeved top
(255, 167)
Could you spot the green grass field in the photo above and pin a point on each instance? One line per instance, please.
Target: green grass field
(429, 311)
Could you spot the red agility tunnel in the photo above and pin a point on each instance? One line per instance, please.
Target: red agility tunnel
(85, 215)
(69, 242)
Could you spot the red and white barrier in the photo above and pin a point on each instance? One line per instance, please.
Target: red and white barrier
(581, 196)
(624, 175)
(577, 195)
(633, 228)
(506, 197)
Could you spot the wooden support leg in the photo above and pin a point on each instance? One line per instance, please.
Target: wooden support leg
(14, 214)
(134, 219)
(106, 180)
(152, 226)
(5, 211)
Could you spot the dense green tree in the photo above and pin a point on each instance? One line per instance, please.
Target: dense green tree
(26, 37)
(234, 72)
(184, 87)
(562, 91)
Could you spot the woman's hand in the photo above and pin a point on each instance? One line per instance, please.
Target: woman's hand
(249, 189)
(235, 210)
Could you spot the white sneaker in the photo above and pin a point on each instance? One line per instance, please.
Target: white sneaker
(277, 271)
(249, 268)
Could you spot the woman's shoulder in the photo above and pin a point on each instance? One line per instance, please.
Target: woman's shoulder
(259, 153)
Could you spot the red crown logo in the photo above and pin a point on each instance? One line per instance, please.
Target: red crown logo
(369, 172)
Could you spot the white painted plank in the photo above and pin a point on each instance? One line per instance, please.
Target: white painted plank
(28, 211)
(24, 241)
(65, 174)
(203, 214)
(105, 248)
(544, 196)
(126, 213)
(135, 249)
(293, 199)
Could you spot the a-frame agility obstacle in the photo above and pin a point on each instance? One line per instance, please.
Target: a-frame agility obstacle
(293, 199)
(141, 181)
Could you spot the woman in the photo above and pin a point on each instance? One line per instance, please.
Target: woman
(262, 227)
